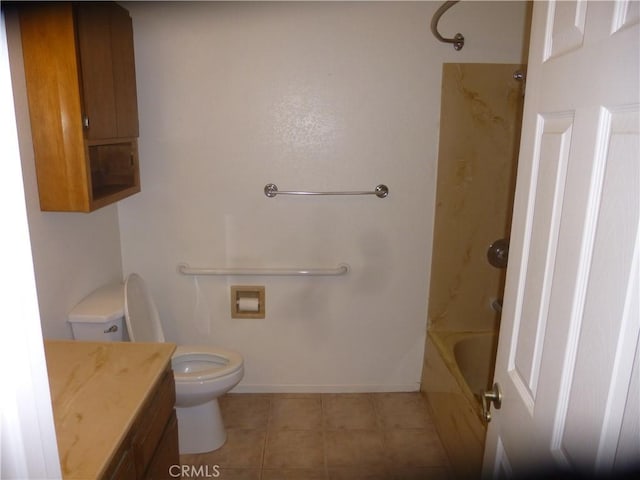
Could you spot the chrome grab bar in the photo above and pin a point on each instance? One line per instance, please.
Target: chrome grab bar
(271, 190)
(341, 269)
(458, 39)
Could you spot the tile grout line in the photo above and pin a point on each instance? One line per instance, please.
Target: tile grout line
(380, 426)
(324, 436)
(266, 438)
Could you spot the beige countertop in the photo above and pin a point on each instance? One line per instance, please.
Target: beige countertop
(97, 389)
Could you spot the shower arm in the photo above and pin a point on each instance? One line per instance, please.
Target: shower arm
(458, 39)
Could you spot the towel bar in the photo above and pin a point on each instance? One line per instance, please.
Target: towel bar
(271, 190)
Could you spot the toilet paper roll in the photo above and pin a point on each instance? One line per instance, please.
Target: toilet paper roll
(248, 304)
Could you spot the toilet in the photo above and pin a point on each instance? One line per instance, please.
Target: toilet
(202, 373)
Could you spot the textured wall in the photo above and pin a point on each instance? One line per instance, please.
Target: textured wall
(320, 96)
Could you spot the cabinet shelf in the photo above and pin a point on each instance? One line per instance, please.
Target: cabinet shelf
(114, 170)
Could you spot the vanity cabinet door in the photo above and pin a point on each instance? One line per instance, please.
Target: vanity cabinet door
(152, 433)
(165, 461)
(150, 448)
(125, 468)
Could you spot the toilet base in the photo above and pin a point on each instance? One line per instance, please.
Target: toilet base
(200, 428)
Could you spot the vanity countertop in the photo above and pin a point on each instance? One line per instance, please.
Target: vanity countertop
(97, 390)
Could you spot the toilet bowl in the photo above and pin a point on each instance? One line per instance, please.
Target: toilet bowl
(202, 373)
(195, 366)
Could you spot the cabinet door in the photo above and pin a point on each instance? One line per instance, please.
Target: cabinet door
(124, 72)
(165, 460)
(105, 44)
(125, 469)
(152, 422)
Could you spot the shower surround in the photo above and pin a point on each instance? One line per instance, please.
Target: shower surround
(479, 139)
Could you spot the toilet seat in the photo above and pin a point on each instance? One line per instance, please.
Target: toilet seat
(199, 363)
(190, 363)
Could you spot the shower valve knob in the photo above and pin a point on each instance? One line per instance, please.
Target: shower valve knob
(498, 253)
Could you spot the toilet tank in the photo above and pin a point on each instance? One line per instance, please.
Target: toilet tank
(100, 315)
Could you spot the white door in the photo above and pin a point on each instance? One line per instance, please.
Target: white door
(568, 353)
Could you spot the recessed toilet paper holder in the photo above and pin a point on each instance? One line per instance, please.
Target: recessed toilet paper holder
(247, 301)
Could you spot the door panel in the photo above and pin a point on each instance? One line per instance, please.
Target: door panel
(566, 27)
(626, 13)
(553, 140)
(605, 326)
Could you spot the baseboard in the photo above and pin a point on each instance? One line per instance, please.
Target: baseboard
(286, 388)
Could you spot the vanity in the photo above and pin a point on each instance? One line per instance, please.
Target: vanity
(113, 407)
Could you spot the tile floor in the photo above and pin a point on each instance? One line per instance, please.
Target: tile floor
(326, 437)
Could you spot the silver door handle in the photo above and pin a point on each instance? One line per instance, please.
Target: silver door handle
(488, 397)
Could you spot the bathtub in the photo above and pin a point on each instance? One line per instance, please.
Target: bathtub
(458, 368)
(470, 358)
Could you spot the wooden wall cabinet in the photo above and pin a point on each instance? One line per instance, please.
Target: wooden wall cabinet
(80, 76)
(151, 445)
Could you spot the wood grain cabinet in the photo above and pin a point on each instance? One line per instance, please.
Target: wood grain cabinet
(80, 76)
(151, 445)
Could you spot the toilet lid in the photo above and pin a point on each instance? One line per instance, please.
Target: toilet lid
(140, 312)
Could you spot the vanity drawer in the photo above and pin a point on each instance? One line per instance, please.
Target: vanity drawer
(152, 422)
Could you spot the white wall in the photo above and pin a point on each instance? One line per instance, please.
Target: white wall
(318, 96)
(73, 253)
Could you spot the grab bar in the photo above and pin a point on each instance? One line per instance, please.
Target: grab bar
(458, 39)
(341, 269)
(271, 190)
